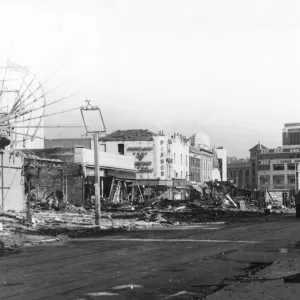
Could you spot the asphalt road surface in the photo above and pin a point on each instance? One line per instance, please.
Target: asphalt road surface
(181, 262)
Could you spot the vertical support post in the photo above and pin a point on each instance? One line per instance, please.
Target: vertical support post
(29, 218)
(97, 182)
(83, 191)
(101, 187)
(297, 194)
(2, 181)
(173, 183)
(133, 194)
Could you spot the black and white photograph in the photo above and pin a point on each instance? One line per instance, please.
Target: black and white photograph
(149, 149)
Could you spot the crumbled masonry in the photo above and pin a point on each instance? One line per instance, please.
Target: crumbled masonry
(54, 219)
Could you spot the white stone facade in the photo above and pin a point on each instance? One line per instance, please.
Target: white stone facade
(162, 158)
(222, 157)
(180, 153)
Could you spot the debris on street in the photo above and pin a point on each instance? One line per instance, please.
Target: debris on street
(58, 221)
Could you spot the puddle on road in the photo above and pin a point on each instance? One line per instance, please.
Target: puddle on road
(99, 294)
(127, 286)
(181, 294)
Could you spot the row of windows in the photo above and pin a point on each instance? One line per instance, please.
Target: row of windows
(294, 138)
(281, 167)
(278, 156)
(277, 167)
(277, 179)
(195, 162)
(195, 176)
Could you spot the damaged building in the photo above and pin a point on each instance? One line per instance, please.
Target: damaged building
(117, 174)
(167, 164)
(162, 161)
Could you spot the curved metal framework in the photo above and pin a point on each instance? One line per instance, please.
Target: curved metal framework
(22, 101)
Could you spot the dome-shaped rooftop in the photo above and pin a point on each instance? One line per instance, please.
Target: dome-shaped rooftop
(200, 139)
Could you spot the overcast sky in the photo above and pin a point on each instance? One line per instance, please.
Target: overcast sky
(229, 68)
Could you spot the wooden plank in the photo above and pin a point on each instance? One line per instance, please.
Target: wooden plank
(231, 201)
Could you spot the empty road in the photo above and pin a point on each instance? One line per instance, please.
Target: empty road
(181, 262)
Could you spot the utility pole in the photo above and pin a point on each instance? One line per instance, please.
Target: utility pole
(97, 180)
(2, 186)
(94, 124)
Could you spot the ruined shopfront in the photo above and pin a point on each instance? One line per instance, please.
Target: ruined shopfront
(78, 176)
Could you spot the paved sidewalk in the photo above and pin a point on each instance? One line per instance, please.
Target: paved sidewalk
(266, 284)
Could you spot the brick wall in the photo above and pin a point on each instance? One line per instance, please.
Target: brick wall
(49, 180)
(74, 183)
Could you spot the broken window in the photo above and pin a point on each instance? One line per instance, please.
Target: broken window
(278, 167)
(263, 168)
(278, 179)
(291, 166)
(291, 179)
(121, 149)
(264, 180)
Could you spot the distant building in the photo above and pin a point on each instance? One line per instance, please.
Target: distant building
(245, 172)
(254, 164)
(270, 171)
(201, 165)
(277, 171)
(206, 163)
(222, 162)
(239, 172)
(201, 150)
(291, 134)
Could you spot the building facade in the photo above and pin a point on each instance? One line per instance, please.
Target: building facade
(239, 172)
(222, 162)
(271, 172)
(156, 156)
(79, 170)
(291, 134)
(201, 159)
(277, 172)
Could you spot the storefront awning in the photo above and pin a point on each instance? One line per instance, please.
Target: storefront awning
(124, 174)
(113, 172)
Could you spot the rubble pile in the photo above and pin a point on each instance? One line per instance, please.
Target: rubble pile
(130, 135)
(151, 216)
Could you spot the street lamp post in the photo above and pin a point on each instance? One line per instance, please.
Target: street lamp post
(94, 124)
